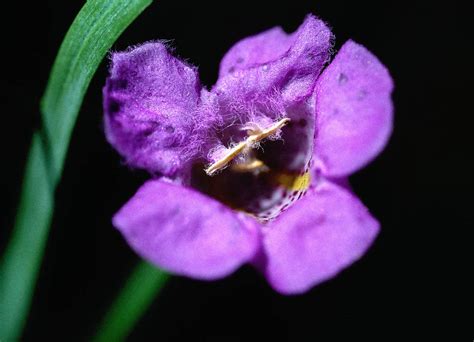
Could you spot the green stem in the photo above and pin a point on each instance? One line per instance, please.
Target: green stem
(134, 299)
(94, 30)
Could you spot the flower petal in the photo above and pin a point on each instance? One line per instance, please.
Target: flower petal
(256, 50)
(186, 232)
(353, 109)
(157, 116)
(324, 232)
(261, 75)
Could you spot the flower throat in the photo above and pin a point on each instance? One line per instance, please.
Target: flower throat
(253, 176)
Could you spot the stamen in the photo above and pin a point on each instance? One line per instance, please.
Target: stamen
(255, 137)
(255, 165)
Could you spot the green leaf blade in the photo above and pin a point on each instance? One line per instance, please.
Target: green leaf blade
(22, 257)
(92, 34)
(94, 30)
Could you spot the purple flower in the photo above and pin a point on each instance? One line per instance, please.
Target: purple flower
(255, 170)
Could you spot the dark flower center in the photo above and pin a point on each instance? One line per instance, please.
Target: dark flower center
(270, 178)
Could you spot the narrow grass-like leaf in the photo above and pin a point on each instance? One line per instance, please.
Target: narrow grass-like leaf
(22, 258)
(94, 30)
(132, 302)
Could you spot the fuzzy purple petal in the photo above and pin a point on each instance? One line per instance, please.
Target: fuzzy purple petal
(156, 114)
(257, 50)
(263, 74)
(353, 109)
(186, 232)
(324, 232)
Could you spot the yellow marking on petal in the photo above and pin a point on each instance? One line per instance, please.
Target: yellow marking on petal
(293, 182)
(255, 137)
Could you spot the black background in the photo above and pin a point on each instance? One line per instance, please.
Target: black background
(406, 284)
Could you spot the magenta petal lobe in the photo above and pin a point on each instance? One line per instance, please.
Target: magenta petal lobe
(157, 115)
(326, 231)
(353, 110)
(186, 232)
(256, 51)
(264, 74)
